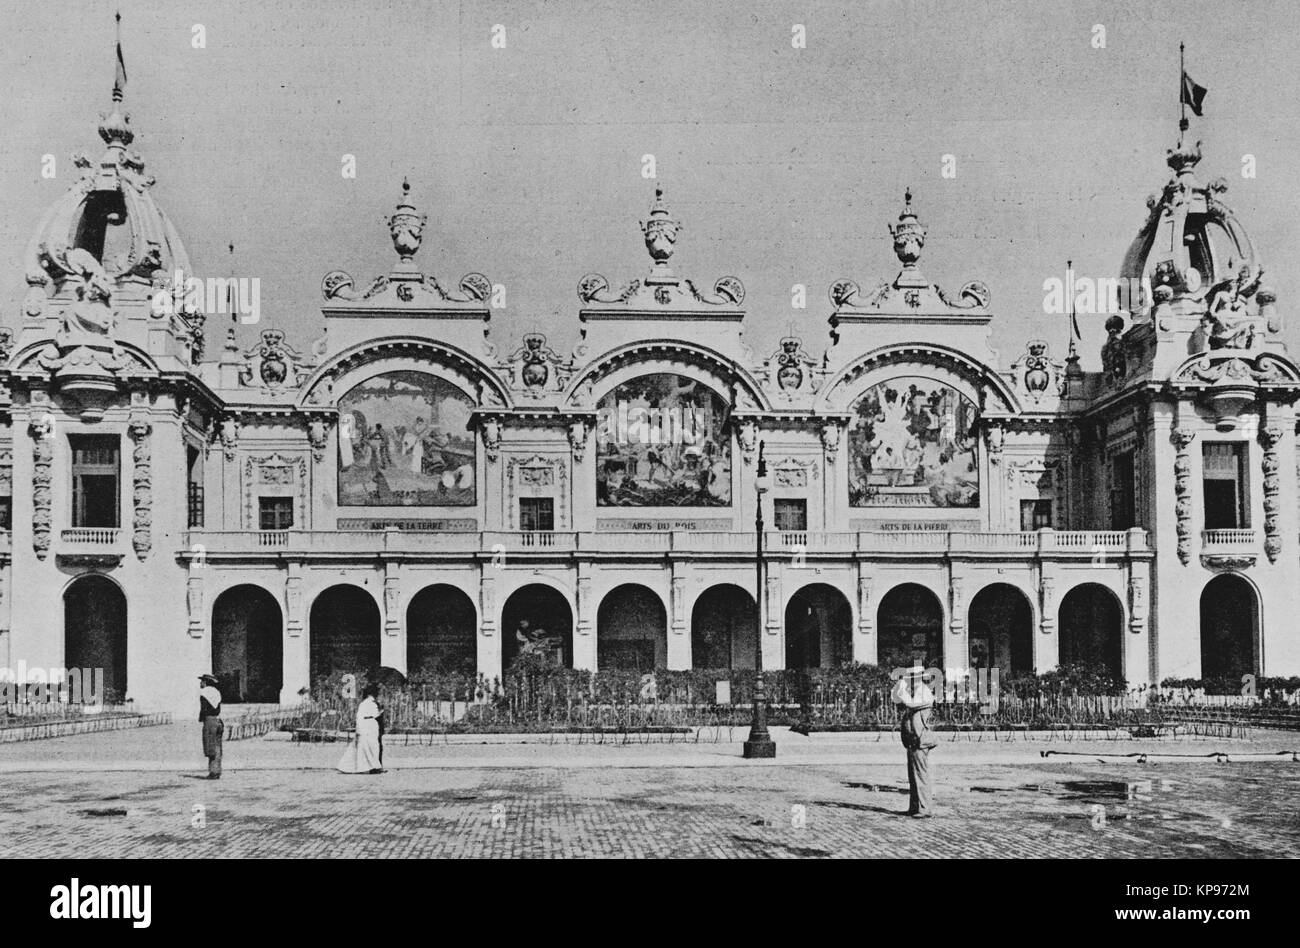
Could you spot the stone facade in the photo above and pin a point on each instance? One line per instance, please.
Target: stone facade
(920, 501)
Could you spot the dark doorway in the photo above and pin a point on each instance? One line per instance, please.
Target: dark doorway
(631, 630)
(94, 632)
(910, 620)
(1001, 630)
(537, 621)
(441, 632)
(1091, 630)
(248, 645)
(344, 632)
(723, 627)
(1229, 629)
(818, 631)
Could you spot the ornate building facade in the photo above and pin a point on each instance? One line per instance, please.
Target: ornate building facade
(413, 492)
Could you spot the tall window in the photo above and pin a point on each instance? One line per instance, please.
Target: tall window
(790, 514)
(1227, 501)
(1035, 514)
(536, 513)
(194, 485)
(1123, 492)
(95, 471)
(275, 513)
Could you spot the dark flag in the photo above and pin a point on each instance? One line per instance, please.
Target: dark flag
(1193, 95)
(119, 78)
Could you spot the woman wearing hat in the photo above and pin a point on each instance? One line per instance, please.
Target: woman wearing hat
(363, 754)
(213, 728)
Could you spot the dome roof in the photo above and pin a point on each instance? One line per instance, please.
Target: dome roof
(1191, 241)
(110, 214)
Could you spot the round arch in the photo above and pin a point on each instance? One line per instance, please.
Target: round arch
(441, 632)
(723, 628)
(818, 628)
(248, 644)
(1000, 628)
(537, 620)
(1230, 629)
(95, 631)
(909, 622)
(1091, 629)
(977, 381)
(631, 629)
(649, 356)
(344, 632)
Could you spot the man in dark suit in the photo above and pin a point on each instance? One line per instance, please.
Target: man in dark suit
(915, 701)
(213, 727)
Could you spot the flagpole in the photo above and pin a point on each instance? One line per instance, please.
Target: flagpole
(1182, 99)
(1074, 320)
(119, 76)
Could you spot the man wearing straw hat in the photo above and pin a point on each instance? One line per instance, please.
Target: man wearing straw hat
(915, 700)
(213, 728)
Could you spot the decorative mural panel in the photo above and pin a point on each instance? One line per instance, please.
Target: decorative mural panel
(404, 441)
(662, 441)
(911, 445)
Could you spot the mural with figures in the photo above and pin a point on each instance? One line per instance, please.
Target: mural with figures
(912, 444)
(404, 440)
(662, 441)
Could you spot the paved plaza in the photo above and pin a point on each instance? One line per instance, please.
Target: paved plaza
(135, 794)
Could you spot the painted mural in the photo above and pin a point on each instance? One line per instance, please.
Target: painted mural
(662, 441)
(911, 444)
(404, 441)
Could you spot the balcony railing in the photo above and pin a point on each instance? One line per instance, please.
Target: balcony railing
(735, 544)
(91, 536)
(1222, 538)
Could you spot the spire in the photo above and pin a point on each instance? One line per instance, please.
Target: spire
(1072, 357)
(115, 126)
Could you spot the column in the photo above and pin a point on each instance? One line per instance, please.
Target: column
(865, 643)
(584, 631)
(489, 638)
(679, 633)
(297, 647)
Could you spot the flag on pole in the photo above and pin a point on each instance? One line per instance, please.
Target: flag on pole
(119, 77)
(1193, 95)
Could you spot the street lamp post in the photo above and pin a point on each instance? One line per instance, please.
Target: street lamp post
(760, 743)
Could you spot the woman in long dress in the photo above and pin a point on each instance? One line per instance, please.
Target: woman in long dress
(362, 754)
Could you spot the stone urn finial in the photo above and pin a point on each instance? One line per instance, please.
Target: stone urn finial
(407, 228)
(908, 234)
(660, 233)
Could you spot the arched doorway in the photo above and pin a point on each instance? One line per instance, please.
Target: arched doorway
(441, 632)
(537, 619)
(247, 645)
(344, 632)
(910, 620)
(818, 633)
(1001, 630)
(1091, 629)
(723, 627)
(94, 631)
(1229, 629)
(631, 630)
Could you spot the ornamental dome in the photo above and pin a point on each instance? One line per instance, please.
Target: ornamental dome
(1190, 241)
(110, 214)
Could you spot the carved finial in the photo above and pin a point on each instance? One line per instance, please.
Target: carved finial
(908, 234)
(406, 227)
(660, 233)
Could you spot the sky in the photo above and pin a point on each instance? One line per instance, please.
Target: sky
(784, 164)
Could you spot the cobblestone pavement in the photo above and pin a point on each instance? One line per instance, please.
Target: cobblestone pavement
(626, 802)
